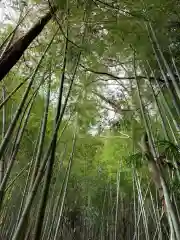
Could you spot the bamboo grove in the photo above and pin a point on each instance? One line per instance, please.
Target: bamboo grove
(90, 108)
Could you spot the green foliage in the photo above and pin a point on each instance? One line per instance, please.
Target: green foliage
(112, 38)
(135, 160)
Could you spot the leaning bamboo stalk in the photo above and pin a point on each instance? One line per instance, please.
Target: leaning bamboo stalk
(16, 50)
(44, 161)
(2, 160)
(149, 150)
(165, 102)
(48, 176)
(57, 202)
(159, 109)
(12, 93)
(9, 39)
(177, 89)
(51, 159)
(134, 205)
(139, 210)
(117, 202)
(174, 64)
(169, 88)
(12, 158)
(40, 141)
(18, 141)
(65, 187)
(21, 105)
(141, 201)
(157, 217)
(26, 187)
(10, 184)
(159, 105)
(28, 182)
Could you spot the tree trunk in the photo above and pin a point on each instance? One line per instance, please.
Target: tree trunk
(15, 51)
